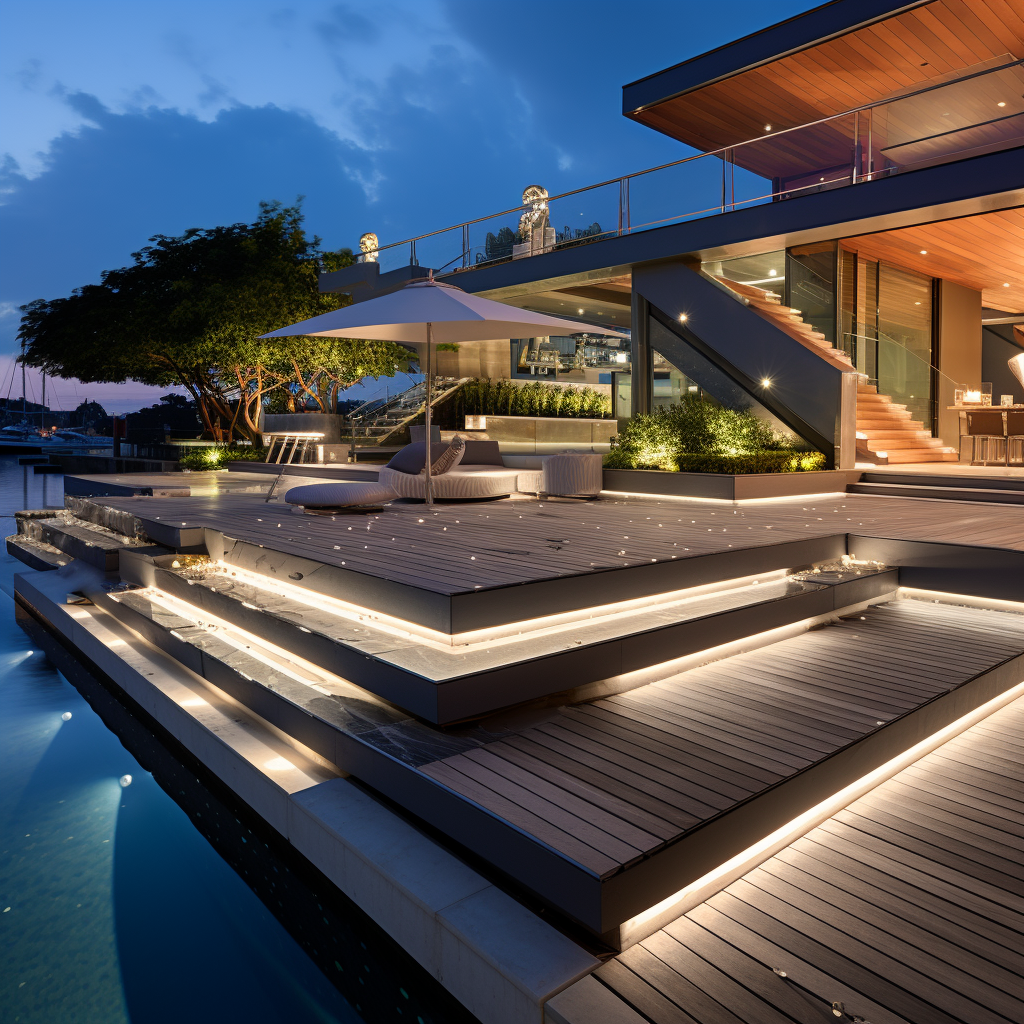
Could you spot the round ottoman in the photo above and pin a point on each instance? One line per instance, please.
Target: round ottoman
(343, 494)
(573, 475)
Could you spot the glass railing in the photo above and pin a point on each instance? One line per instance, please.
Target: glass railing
(977, 113)
(905, 376)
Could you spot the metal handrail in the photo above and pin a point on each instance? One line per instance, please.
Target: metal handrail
(623, 180)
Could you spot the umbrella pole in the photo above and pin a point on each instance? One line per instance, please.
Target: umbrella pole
(428, 450)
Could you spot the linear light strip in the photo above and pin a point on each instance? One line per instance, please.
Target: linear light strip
(716, 880)
(513, 632)
(277, 658)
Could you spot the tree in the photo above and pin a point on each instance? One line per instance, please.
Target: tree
(190, 310)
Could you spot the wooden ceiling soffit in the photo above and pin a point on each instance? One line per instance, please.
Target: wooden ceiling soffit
(907, 51)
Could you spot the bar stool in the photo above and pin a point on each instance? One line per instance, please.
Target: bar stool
(986, 427)
(1014, 435)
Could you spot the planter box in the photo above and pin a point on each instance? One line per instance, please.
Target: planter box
(544, 431)
(727, 486)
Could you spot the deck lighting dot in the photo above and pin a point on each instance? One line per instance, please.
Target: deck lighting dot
(125, 781)
(66, 717)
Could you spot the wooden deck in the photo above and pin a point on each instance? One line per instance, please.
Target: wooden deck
(907, 906)
(717, 757)
(614, 549)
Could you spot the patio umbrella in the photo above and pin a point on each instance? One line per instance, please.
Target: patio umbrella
(431, 312)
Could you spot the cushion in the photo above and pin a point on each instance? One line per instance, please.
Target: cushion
(482, 453)
(450, 457)
(410, 459)
(342, 494)
(463, 482)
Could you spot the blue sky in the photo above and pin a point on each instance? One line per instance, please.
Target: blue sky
(120, 119)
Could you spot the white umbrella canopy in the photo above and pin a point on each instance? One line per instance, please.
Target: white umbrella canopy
(430, 312)
(447, 312)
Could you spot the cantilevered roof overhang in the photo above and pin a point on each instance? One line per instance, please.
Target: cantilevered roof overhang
(835, 58)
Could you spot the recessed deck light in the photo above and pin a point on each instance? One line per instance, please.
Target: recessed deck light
(579, 312)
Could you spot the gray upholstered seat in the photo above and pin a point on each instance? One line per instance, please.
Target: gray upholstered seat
(343, 494)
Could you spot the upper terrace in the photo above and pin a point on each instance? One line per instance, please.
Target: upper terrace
(845, 95)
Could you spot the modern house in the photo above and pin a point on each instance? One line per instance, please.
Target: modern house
(653, 760)
(843, 251)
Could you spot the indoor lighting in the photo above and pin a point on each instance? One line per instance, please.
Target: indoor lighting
(621, 357)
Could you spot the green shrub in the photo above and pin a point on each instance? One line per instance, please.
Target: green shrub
(482, 397)
(214, 456)
(697, 434)
(755, 462)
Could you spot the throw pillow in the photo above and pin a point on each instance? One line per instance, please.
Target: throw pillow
(411, 458)
(450, 457)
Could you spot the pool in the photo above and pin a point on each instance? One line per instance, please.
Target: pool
(135, 888)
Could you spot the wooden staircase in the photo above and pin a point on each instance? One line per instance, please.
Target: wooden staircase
(885, 431)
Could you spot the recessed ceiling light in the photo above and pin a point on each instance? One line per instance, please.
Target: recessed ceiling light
(924, 252)
(767, 127)
(1000, 104)
(1006, 284)
(917, 303)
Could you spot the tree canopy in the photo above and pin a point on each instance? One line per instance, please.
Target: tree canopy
(190, 309)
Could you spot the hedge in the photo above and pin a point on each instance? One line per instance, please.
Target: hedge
(755, 462)
(213, 456)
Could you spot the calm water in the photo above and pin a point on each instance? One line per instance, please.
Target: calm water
(163, 902)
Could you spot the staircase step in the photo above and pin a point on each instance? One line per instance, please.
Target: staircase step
(947, 492)
(909, 441)
(445, 684)
(36, 554)
(941, 479)
(93, 544)
(911, 455)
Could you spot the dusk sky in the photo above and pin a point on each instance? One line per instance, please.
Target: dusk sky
(125, 119)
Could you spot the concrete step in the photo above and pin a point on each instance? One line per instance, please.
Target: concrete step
(93, 544)
(36, 554)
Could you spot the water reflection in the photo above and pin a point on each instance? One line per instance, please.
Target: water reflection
(128, 905)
